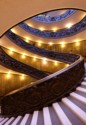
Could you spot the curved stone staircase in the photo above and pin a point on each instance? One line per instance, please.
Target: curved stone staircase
(70, 111)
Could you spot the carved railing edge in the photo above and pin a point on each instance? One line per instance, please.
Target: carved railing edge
(49, 77)
(47, 34)
(43, 94)
(17, 70)
(56, 18)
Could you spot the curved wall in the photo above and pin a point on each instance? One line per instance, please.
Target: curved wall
(57, 25)
(21, 32)
(12, 13)
(40, 64)
(11, 82)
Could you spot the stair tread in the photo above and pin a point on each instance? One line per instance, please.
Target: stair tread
(78, 111)
(78, 97)
(16, 121)
(72, 117)
(24, 120)
(62, 116)
(81, 89)
(47, 120)
(34, 118)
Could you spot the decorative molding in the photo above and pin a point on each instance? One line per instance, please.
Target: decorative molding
(43, 19)
(43, 94)
(62, 57)
(79, 27)
(15, 65)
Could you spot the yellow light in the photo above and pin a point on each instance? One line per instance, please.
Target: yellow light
(62, 44)
(39, 44)
(8, 76)
(11, 51)
(44, 61)
(22, 77)
(27, 39)
(54, 29)
(30, 24)
(69, 25)
(77, 43)
(34, 58)
(50, 43)
(14, 31)
(41, 28)
(67, 65)
(55, 63)
(23, 56)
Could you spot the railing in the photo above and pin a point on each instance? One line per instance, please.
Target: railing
(43, 19)
(59, 34)
(15, 65)
(45, 91)
(63, 57)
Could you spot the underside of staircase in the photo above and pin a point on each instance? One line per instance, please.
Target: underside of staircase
(71, 110)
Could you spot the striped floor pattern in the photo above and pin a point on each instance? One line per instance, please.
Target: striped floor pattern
(70, 111)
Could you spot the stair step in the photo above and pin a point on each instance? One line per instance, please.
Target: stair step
(79, 112)
(81, 89)
(78, 103)
(81, 93)
(16, 121)
(55, 120)
(24, 120)
(9, 121)
(61, 115)
(40, 120)
(34, 118)
(71, 116)
(1, 119)
(47, 120)
(78, 97)
(4, 121)
(83, 83)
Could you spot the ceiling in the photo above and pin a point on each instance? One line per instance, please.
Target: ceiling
(13, 12)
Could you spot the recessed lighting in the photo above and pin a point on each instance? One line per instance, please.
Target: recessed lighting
(69, 25)
(41, 28)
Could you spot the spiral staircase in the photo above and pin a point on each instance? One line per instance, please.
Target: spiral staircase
(70, 110)
(57, 98)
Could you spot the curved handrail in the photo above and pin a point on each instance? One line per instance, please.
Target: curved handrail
(78, 27)
(62, 57)
(44, 91)
(48, 77)
(13, 64)
(44, 19)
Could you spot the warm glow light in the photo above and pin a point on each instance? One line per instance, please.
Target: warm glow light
(27, 39)
(14, 31)
(54, 29)
(77, 43)
(67, 65)
(62, 44)
(55, 63)
(39, 44)
(77, 40)
(50, 43)
(22, 77)
(34, 58)
(41, 28)
(23, 56)
(8, 76)
(30, 24)
(11, 51)
(44, 61)
(69, 25)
